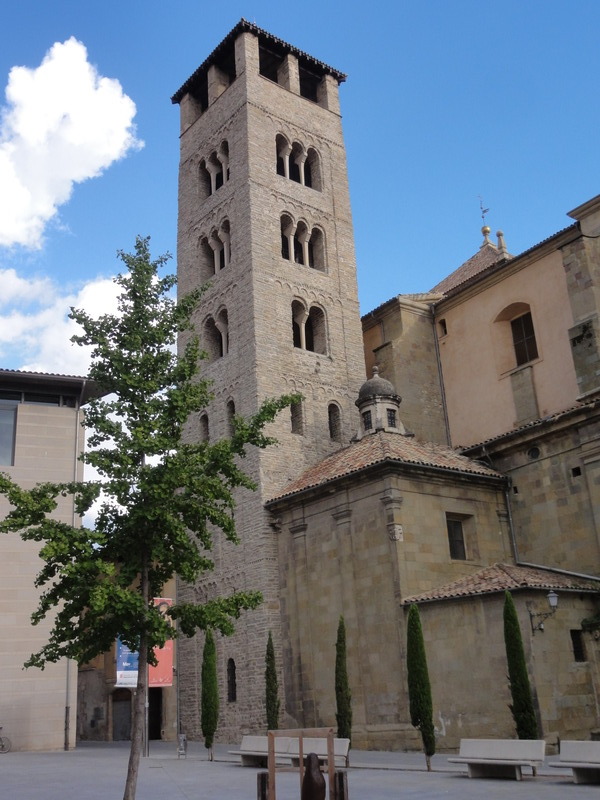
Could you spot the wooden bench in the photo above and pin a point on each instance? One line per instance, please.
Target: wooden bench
(319, 746)
(500, 758)
(254, 750)
(583, 758)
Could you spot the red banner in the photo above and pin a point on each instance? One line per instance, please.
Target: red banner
(162, 673)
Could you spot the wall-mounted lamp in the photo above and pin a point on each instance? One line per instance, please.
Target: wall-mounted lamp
(542, 615)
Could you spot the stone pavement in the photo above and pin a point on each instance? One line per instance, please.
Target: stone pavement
(96, 771)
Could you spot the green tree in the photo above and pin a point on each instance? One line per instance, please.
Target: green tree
(419, 688)
(160, 500)
(343, 695)
(272, 687)
(522, 699)
(209, 712)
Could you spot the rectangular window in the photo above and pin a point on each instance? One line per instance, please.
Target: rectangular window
(391, 418)
(524, 339)
(8, 422)
(367, 421)
(456, 538)
(578, 645)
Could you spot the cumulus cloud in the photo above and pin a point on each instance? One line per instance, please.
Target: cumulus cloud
(63, 123)
(35, 330)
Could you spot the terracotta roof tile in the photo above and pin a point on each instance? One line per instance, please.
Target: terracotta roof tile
(502, 577)
(487, 255)
(381, 447)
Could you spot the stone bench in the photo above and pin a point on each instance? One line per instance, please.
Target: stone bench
(500, 758)
(319, 747)
(583, 758)
(254, 750)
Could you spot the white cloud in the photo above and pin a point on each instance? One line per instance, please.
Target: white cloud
(63, 123)
(35, 330)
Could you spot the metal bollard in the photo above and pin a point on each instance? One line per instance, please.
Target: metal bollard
(340, 782)
(262, 785)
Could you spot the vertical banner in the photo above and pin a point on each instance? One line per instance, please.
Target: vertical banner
(127, 665)
(162, 673)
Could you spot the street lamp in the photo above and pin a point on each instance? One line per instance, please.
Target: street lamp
(542, 615)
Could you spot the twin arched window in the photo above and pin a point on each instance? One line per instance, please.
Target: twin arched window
(216, 335)
(215, 251)
(298, 163)
(301, 244)
(214, 170)
(309, 328)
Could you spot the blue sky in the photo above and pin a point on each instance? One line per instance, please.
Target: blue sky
(444, 102)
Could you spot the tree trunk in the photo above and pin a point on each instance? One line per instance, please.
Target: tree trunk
(139, 707)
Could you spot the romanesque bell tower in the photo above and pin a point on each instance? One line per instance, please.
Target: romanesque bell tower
(264, 218)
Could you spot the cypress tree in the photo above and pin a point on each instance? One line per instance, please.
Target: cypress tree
(343, 696)
(522, 699)
(209, 712)
(272, 688)
(419, 688)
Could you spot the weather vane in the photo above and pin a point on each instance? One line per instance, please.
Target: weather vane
(484, 211)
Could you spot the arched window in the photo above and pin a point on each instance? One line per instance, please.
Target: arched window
(316, 321)
(215, 251)
(514, 336)
(204, 182)
(203, 430)
(309, 328)
(301, 237)
(283, 150)
(214, 170)
(287, 236)
(312, 170)
(296, 418)
(316, 249)
(216, 336)
(335, 422)
(295, 162)
(231, 681)
(230, 416)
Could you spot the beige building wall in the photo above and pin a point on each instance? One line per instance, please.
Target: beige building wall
(486, 393)
(399, 338)
(357, 552)
(470, 632)
(35, 704)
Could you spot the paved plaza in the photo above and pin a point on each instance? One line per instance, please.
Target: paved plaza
(97, 772)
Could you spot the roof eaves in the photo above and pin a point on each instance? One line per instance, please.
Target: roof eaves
(244, 26)
(386, 461)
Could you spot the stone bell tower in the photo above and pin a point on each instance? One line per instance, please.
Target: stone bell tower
(264, 218)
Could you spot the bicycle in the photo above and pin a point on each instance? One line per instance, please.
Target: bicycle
(5, 743)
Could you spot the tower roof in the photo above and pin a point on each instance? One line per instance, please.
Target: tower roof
(376, 387)
(223, 55)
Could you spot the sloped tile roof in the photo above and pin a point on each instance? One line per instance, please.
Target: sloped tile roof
(487, 255)
(503, 577)
(540, 422)
(378, 448)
